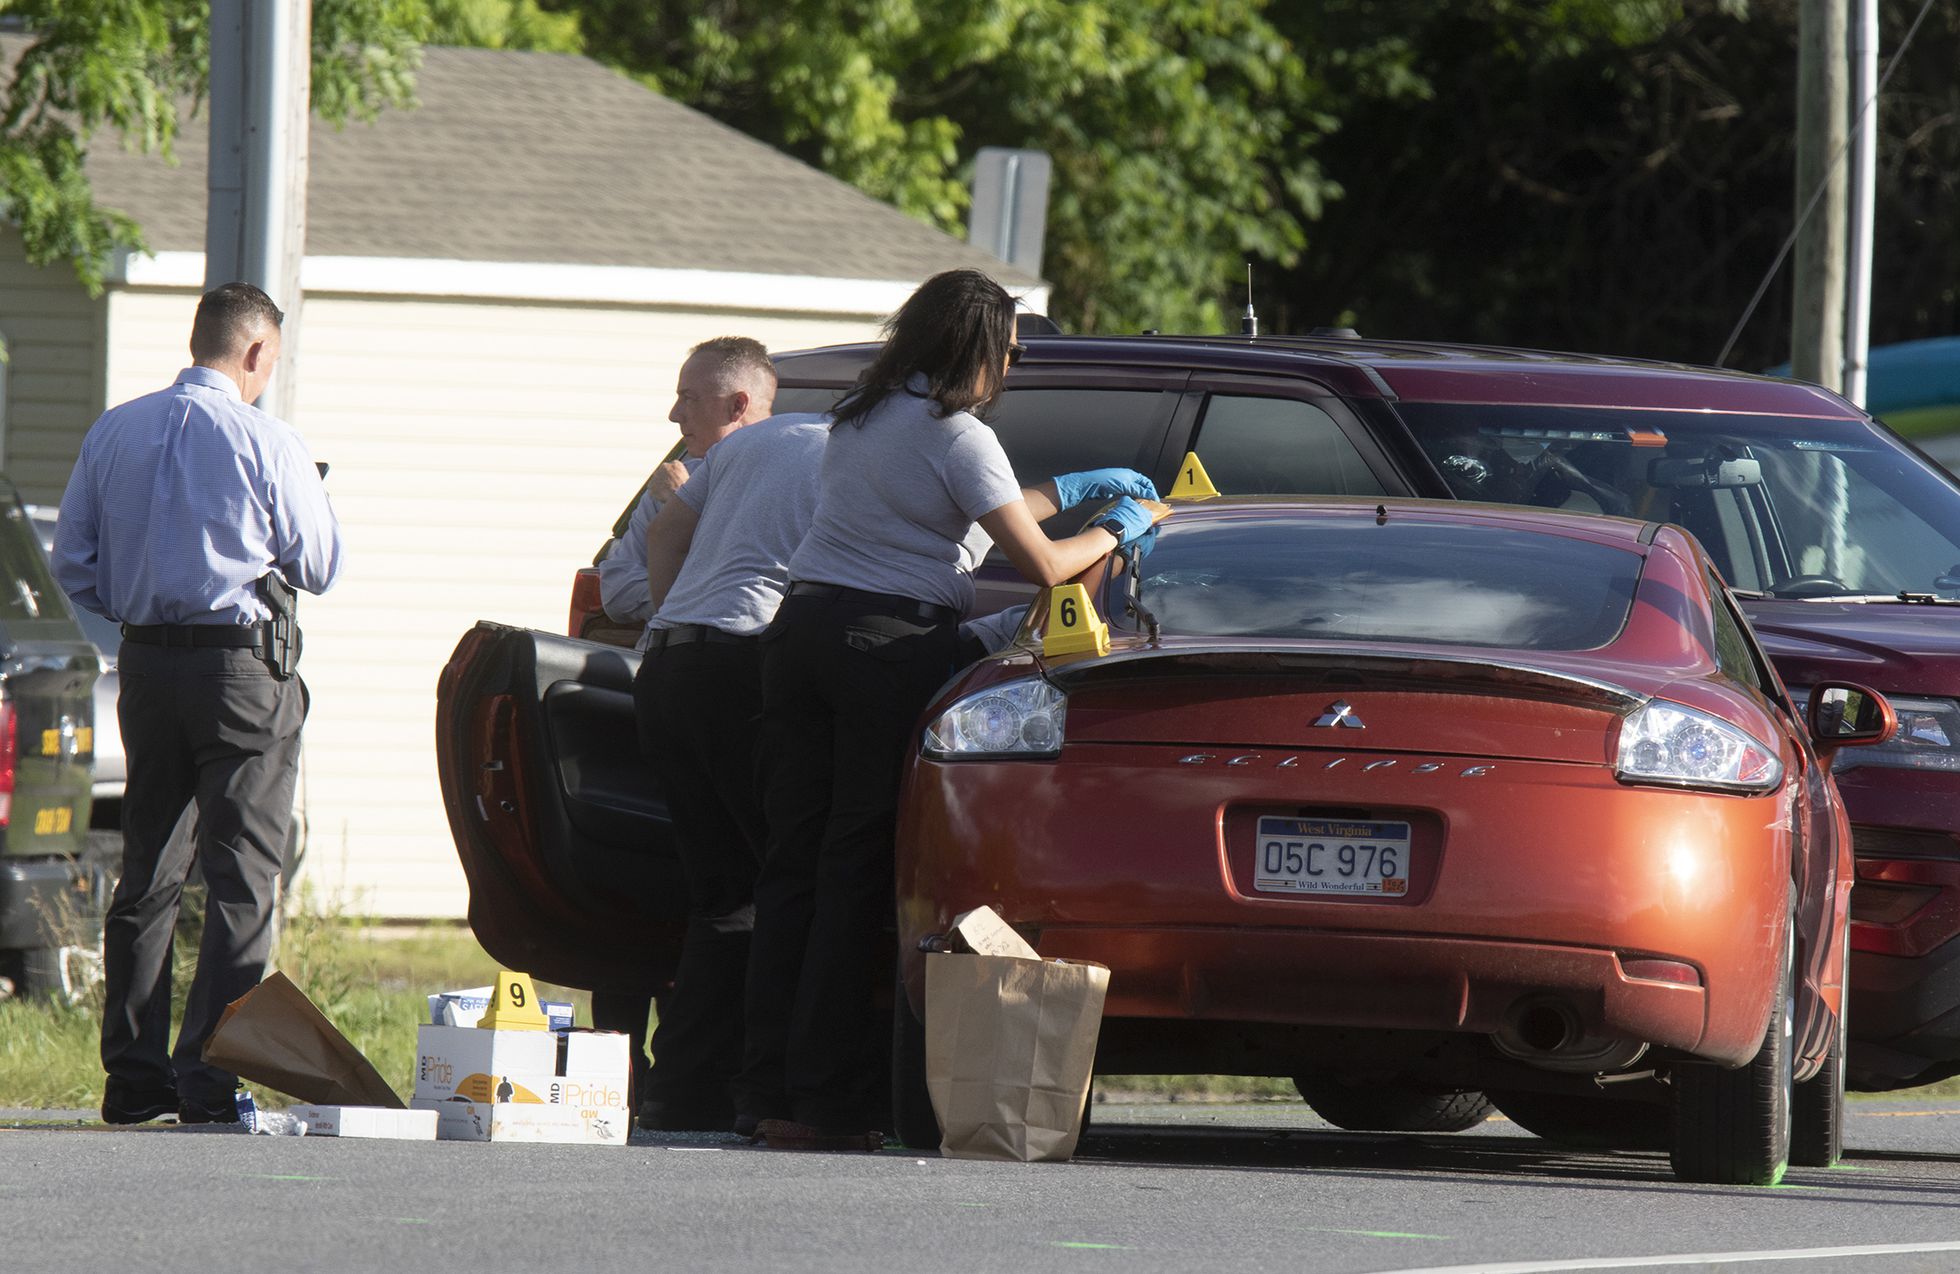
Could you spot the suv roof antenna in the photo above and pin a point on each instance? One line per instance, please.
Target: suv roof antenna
(1248, 322)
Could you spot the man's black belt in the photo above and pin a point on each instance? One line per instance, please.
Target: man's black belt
(890, 603)
(228, 636)
(681, 634)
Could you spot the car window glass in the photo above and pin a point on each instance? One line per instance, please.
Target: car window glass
(1790, 506)
(1051, 431)
(1354, 579)
(806, 398)
(1732, 652)
(1255, 446)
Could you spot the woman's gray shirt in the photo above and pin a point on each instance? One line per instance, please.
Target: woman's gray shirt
(899, 500)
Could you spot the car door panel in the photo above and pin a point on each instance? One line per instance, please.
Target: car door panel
(559, 826)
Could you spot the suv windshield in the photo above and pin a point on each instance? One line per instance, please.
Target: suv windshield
(1352, 579)
(1786, 506)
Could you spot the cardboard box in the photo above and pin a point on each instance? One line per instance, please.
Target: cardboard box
(597, 1053)
(454, 1060)
(466, 1008)
(366, 1121)
(527, 1121)
(601, 1092)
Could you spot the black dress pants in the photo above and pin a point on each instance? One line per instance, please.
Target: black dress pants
(215, 727)
(845, 679)
(697, 705)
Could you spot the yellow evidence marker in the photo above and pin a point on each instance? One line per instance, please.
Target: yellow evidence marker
(1193, 483)
(513, 1004)
(1073, 624)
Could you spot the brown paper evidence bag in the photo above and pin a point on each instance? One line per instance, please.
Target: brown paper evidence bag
(1010, 1043)
(274, 1035)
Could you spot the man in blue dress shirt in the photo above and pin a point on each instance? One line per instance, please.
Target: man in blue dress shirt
(186, 511)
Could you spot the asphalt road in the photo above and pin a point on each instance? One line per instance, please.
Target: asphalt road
(1174, 1187)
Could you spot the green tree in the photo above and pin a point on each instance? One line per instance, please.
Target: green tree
(123, 68)
(1603, 175)
(1181, 130)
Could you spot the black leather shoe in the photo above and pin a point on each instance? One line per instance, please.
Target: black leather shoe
(124, 1105)
(197, 1112)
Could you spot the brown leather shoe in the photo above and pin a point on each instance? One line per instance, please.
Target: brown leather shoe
(784, 1134)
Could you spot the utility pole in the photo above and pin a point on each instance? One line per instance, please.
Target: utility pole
(1823, 115)
(1864, 181)
(255, 211)
(1010, 205)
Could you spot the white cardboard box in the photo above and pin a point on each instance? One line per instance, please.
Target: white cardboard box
(460, 1059)
(366, 1121)
(527, 1121)
(598, 1053)
(597, 1092)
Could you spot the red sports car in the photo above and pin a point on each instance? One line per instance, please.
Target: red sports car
(1416, 802)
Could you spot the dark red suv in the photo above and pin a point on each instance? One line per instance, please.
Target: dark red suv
(1841, 540)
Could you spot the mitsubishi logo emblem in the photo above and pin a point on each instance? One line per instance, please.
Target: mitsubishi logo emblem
(1341, 713)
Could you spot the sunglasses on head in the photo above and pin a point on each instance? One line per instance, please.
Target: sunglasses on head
(1014, 353)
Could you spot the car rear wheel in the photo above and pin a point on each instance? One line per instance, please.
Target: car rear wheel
(1817, 1106)
(1372, 1105)
(1732, 1127)
(1586, 1121)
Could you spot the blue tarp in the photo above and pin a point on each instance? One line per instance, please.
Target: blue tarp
(1909, 375)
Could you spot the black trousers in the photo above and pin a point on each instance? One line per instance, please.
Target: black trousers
(844, 682)
(698, 707)
(215, 727)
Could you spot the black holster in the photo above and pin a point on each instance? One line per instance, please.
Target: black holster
(282, 643)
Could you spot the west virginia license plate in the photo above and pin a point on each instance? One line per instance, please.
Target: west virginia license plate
(1331, 856)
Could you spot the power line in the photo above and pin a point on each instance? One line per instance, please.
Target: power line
(1829, 170)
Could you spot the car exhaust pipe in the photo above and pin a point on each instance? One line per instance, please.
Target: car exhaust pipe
(1546, 1032)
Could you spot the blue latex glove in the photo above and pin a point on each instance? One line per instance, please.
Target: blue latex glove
(1072, 489)
(1127, 520)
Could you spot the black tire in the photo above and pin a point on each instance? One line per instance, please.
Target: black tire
(1732, 1127)
(1391, 1106)
(1586, 1122)
(1817, 1105)
(913, 1121)
(40, 975)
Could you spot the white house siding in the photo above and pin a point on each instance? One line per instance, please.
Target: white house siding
(479, 454)
(51, 387)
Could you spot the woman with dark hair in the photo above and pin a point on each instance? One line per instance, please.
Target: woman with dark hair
(914, 488)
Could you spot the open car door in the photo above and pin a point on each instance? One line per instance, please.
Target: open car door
(567, 846)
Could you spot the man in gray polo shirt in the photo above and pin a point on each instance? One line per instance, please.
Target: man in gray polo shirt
(717, 567)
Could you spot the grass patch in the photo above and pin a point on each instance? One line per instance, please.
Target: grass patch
(371, 983)
(1194, 1088)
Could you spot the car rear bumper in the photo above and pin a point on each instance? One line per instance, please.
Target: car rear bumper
(1532, 880)
(1397, 981)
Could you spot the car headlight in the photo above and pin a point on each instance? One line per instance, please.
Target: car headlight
(1662, 742)
(1013, 719)
(1928, 737)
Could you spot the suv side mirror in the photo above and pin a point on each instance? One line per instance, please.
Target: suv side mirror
(1844, 714)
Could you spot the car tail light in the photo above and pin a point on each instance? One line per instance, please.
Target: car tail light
(1013, 719)
(585, 601)
(1671, 743)
(1676, 971)
(1905, 906)
(9, 760)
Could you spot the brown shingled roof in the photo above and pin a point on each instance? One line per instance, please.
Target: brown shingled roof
(541, 157)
